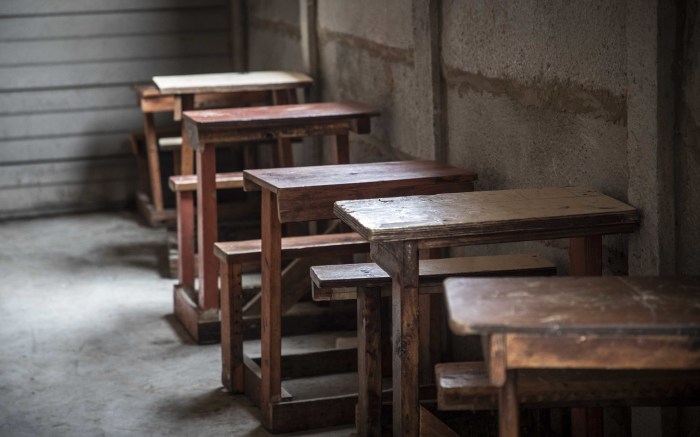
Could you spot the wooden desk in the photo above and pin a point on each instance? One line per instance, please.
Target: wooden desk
(308, 193)
(569, 323)
(397, 228)
(184, 89)
(204, 129)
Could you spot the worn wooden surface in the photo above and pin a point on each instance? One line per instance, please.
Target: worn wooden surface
(281, 121)
(308, 193)
(517, 214)
(593, 305)
(466, 386)
(431, 271)
(229, 82)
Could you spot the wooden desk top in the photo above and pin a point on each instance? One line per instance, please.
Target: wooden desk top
(515, 215)
(306, 113)
(311, 191)
(143, 90)
(230, 82)
(578, 305)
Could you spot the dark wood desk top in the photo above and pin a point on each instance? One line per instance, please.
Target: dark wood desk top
(575, 305)
(231, 82)
(306, 113)
(514, 215)
(310, 191)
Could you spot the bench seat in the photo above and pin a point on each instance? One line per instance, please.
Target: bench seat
(189, 182)
(466, 386)
(339, 282)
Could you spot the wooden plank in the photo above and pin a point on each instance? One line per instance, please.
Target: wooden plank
(483, 213)
(207, 230)
(36, 7)
(72, 147)
(146, 22)
(189, 182)
(432, 270)
(229, 82)
(674, 351)
(369, 362)
(603, 305)
(112, 48)
(104, 73)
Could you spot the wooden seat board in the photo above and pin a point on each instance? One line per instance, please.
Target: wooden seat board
(430, 270)
(482, 213)
(292, 247)
(595, 305)
(189, 182)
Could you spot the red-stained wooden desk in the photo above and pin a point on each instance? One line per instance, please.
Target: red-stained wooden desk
(304, 194)
(397, 228)
(589, 323)
(198, 310)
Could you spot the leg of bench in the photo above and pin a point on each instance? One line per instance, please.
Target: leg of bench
(369, 362)
(185, 238)
(231, 328)
(508, 407)
(207, 227)
(342, 149)
(149, 130)
(284, 145)
(271, 301)
(186, 157)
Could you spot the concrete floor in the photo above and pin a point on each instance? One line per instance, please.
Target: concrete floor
(89, 345)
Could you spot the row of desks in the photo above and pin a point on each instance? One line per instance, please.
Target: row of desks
(438, 212)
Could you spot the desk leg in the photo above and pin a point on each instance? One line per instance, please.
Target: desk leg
(586, 259)
(232, 368)
(187, 167)
(207, 227)
(508, 420)
(400, 260)
(284, 145)
(369, 362)
(270, 303)
(341, 153)
(586, 256)
(149, 130)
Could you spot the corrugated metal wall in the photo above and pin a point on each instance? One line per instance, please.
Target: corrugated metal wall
(66, 106)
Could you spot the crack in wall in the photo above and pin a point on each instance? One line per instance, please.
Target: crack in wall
(552, 95)
(375, 49)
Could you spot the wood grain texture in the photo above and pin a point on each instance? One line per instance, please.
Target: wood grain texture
(483, 213)
(308, 193)
(594, 305)
(432, 270)
(229, 82)
(189, 182)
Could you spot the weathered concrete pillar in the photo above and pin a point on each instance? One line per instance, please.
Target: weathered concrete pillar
(428, 75)
(651, 32)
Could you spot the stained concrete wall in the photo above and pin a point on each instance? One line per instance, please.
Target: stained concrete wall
(529, 94)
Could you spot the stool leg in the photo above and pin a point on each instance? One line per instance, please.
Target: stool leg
(369, 362)
(232, 370)
(508, 421)
(185, 238)
(149, 129)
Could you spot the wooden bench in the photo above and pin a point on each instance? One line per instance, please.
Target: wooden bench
(602, 324)
(307, 250)
(365, 281)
